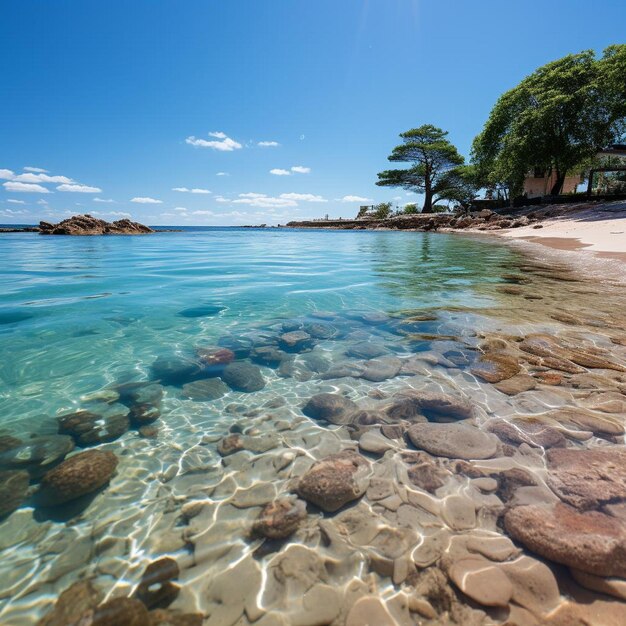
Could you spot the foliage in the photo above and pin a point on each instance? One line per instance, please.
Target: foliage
(362, 211)
(382, 210)
(433, 162)
(555, 119)
(410, 209)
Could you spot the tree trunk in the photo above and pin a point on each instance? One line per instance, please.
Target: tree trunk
(558, 184)
(428, 202)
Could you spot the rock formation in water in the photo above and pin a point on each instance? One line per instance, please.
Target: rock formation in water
(88, 225)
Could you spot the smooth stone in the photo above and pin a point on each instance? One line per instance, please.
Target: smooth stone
(239, 346)
(214, 355)
(78, 475)
(344, 370)
(435, 406)
(121, 612)
(205, 390)
(369, 611)
(589, 478)
(458, 512)
(319, 330)
(455, 441)
(611, 586)
(8, 442)
(269, 356)
(335, 480)
(74, 604)
(13, 490)
(481, 581)
(592, 542)
(245, 377)
(516, 384)
(366, 350)
(167, 617)
(424, 473)
(90, 427)
(280, 519)
(375, 443)
(175, 370)
(381, 369)
(207, 310)
(156, 589)
(38, 453)
(598, 423)
(330, 407)
(534, 434)
(494, 368)
(295, 341)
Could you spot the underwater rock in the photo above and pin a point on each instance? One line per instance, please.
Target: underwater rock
(206, 310)
(82, 473)
(366, 350)
(280, 519)
(8, 442)
(330, 407)
(148, 431)
(344, 370)
(610, 585)
(434, 406)
(587, 479)
(256, 444)
(534, 434)
(37, 454)
(482, 581)
(13, 490)
(166, 617)
(423, 471)
(88, 427)
(316, 363)
(245, 377)
(455, 441)
(175, 370)
(516, 384)
(296, 341)
(591, 542)
(75, 604)
(495, 367)
(381, 369)
(214, 355)
(143, 399)
(319, 330)
(335, 480)
(369, 611)
(156, 589)
(121, 612)
(239, 346)
(268, 355)
(203, 390)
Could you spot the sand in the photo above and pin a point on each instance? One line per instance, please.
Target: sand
(601, 230)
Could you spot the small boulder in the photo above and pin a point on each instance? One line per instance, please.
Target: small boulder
(38, 454)
(280, 519)
(296, 341)
(330, 407)
(335, 480)
(13, 490)
(99, 424)
(495, 367)
(214, 355)
(241, 376)
(455, 441)
(82, 473)
(205, 390)
(366, 350)
(156, 589)
(434, 406)
(121, 612)
(482, 581)
(75, 604)
(175, 370)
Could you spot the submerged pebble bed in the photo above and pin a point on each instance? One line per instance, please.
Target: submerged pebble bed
(427, 430)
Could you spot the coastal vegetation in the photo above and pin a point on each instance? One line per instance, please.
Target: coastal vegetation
(555, 120)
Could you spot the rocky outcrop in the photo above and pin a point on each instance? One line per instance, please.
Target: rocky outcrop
(81, 474)
(88, 225)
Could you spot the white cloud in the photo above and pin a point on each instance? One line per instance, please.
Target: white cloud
(278, 172)
(252, 195)
(42, 201)
(41, 178)
(224, 143)
(222, 174)
(12, 201)
(146, 200)
(37, 170)
(304, 197)
(119, 214)
(24, 187)
(79, 188)
(355, 199)
(105, 200)
(202, 212)
(299, 169)
(187, 190)
(263, 201)
(221, 199)
(181, 209)
(6, 175)
(11, 212)
(268, 144)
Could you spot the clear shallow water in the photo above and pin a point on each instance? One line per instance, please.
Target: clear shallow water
(80, 316)
(78, 313)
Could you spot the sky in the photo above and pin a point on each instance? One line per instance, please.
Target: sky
(231, 112)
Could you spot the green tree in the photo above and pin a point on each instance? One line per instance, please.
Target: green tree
(410, 209)
(433, 160)
(382, 210)
(554, 120)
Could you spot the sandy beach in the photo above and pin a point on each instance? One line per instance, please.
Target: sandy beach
(600, 229)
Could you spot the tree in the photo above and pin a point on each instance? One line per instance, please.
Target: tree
(410, 209)
(382, 210)
(554, 120)
(433, 160)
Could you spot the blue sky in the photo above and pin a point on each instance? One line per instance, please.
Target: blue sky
(127, 104)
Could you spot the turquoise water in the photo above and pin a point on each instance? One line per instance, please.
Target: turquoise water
(77, 314)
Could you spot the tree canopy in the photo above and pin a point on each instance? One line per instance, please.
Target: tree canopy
(434, 162)
(554, 120)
